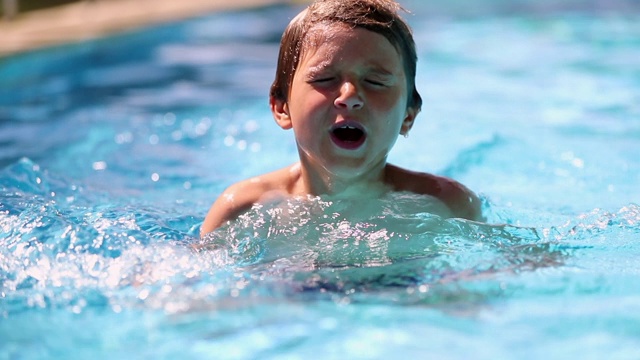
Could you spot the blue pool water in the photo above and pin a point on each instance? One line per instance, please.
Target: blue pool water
(111, 152)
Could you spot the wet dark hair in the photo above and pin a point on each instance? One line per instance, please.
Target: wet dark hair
(379, 16)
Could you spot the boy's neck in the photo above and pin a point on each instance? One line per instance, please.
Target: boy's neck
(315, 180)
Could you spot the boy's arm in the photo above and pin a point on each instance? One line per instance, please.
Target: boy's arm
(463, 202)
(241, 196)
(235, 200)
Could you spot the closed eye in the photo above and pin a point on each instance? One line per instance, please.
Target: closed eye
(375, 82)
(321, 80)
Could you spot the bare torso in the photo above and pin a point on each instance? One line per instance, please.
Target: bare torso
(288, 182)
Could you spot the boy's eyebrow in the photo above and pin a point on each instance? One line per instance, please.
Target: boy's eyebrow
(380, 70)
(326, 66)
(319, 68)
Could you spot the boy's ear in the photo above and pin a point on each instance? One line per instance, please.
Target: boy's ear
(407, 123)
(280, 112)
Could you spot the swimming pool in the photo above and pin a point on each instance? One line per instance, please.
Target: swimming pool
(112, 151)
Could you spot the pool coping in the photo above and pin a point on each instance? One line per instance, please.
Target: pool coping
(68, 23)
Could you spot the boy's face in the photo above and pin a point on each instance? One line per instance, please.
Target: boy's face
(348, 100)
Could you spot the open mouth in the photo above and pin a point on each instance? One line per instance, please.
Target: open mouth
(349, 136)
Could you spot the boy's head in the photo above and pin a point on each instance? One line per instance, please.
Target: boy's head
(379, 16)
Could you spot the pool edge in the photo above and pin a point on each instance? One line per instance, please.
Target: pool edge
(69, 23)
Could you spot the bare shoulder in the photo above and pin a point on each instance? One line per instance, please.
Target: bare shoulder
(462, 202)
(241, 196)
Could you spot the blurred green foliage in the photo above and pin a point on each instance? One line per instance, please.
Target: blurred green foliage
(30, 5)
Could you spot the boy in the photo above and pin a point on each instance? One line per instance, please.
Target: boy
(345, 84)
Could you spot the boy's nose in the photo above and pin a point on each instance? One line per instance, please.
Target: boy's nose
(348, 97)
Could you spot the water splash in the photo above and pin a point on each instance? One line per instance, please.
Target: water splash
(58, 253)
(316, 246)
